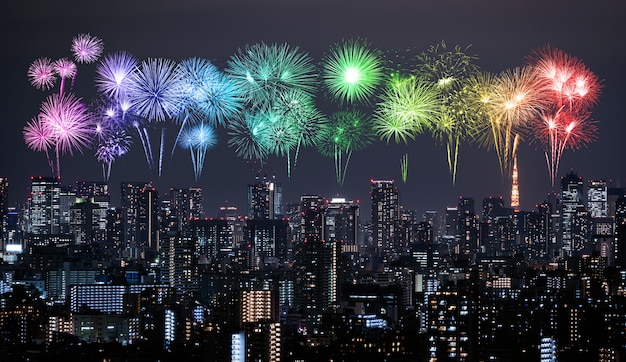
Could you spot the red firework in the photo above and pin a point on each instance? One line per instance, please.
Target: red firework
(571, 91)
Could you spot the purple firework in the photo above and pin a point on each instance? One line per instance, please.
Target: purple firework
(41, 74)
(86, 48)
(154, 89)
(113, 75)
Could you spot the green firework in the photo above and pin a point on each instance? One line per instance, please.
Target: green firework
(407, 107)
(344, 133)
(352, 71)
(449, 69)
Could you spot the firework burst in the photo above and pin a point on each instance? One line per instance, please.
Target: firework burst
(86, 48)
(262, 71)
(352, 71)
(198, 139)
(449, 69)
(344, 133)
(113, 75)
(571, 91)
(69, 123)
(38, 138)
(406, 108)
(41, 74)
(246, 137)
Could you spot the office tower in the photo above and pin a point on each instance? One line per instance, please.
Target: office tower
(264, 199)
(139, 206)
(44, 210)
(490, 237)
(315, 262)
(67, 198)
(385, 212)
(538, 230)
(467, 239)
(571, 206)
(597, 198)
(186, 205)
(83, 221)
(212, 239)
(515, 186)
(342, 221)
(4, 195)
(614, 194)
(267, 242)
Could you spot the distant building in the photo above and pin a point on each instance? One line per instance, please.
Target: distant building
(385, 212)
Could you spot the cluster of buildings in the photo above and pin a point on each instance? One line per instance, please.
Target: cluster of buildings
(312, 280)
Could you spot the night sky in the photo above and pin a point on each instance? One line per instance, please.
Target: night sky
(501, 34)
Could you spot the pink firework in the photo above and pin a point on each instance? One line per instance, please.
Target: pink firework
(86, 48)
(65, 68)
(571, 91)
(69, 123)
(41, 74)
(38, 138)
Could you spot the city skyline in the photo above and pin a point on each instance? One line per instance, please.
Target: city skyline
(500, 35)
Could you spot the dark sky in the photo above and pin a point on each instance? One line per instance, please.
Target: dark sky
(501, 34)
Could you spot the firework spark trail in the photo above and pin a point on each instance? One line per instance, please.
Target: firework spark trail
(516, 99)
(69, 123)
(404, 167)
(207, 95)
(245, 135)
(154, 95)
(352, 71)
(344, 133)
(449, 69)
(65, 69)
(298, 108)
(38, 138)
(571, 91)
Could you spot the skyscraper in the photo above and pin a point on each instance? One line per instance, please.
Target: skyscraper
(44, 211)
(139, 205)
(597, 198)
(385, 212)
(467, 240)
(316, 261)
(186, 205)
(264, 199)
(571, 204)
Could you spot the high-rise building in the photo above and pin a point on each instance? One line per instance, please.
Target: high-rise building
(212, 239)
(186, 205)
(4, 195)
(467, 240)
(385, 212)
(597, 198)
(44, 210)
(264, 199)
(140, 206)
(267, 242)
(315, 262)
(571, 205)
(83, 221)
(179, 264)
